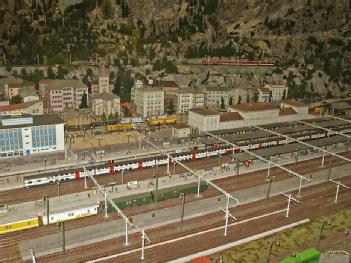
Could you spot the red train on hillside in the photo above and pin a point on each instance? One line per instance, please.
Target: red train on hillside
(239, 62)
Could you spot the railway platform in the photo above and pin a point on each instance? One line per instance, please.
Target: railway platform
(13, 177)
(87, 198)
(96, 233)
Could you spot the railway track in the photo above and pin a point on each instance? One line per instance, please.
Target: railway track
(230, 184)
(31, 194)
(311, 206)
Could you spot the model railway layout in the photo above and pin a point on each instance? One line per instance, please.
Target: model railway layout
(273, 147)
(214, 150)
(122, 203)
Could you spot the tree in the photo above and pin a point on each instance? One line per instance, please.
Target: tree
(103, 117)
(270, 96)
(116, 116)
(50, 73)
(171, 108)
(84, 101)
(256, 97)
(239, 100)
(16, 99)
(222, 103)
(231, 101)
(117, 87)
(284, 94)
(61, 72)
(247, 98)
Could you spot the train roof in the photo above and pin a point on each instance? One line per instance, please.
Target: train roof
(289, 148)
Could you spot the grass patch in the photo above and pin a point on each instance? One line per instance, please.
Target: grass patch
(293, 239)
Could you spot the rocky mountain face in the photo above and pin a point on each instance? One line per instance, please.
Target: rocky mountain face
(309, 39)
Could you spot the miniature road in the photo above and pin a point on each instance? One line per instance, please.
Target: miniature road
(99, 232)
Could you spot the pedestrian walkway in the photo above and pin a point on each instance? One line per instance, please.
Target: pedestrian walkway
(13, 178)
(92, 234)
(87, 198)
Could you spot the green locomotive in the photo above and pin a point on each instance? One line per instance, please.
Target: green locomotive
(149, 197)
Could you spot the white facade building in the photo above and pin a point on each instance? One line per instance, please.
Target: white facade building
(247, 114)
(108, 104)
(214, 96)
(62, 94)
(148, 100)
(26, 135)
(188, 99)
(272, 93)
(204, 119)
(103, 85)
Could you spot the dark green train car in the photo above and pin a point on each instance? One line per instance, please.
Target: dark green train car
(175, 192)
(164, 194)
(130, 201)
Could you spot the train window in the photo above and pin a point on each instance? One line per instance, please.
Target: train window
(88, 210)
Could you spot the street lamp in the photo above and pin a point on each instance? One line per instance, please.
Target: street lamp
(99, 139)
(45, 164)
(323, 224)
(277, 243)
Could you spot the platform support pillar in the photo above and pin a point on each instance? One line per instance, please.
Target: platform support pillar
(269, 177)
(198, 186)
(32, 256)
(126, 237)
(105, 194)
(182, 196)
(226, 216)
(288, 209)
(323, 157)
(63, 236)
(330, 168)
(337, 192)
(142, 245)
(300, 185)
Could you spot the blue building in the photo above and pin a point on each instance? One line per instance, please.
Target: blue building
(26, 135)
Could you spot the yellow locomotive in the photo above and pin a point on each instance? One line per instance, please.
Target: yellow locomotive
(162, 121)
(119, 127)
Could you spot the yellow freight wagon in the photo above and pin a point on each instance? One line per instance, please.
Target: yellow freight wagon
(119, 127)
(19, 225)
(162, 121)
(171, 120)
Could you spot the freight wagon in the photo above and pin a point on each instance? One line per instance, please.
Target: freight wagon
(41, 219)
(162, 195)
(119, 127)
(162, 121)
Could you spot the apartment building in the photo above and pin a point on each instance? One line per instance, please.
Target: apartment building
(62, 94)
(272, 93)
(103, 84)
(104, 103)
(149, 101)
(215, 94)
(246, 114)
(189, 99)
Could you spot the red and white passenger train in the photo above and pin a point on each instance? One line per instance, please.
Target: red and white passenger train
(114, 167)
